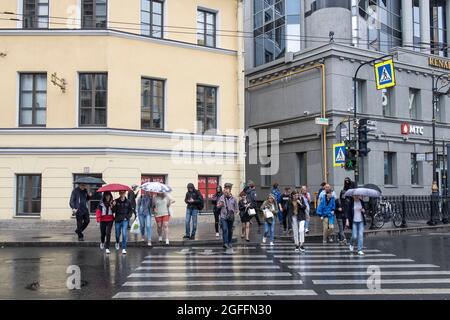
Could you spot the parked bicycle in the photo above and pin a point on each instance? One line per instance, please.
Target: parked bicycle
(385, 211)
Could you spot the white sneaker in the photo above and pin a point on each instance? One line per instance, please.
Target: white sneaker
(167, 242)
(306, 230)
(160, 239)
(264, 239)
(217, 235)
(124, 251)
(149, 243)
(271, 244)
(107, 251)
(351, 248)
(143, 239)
(360, 253)
(102, 246)
(117, 246)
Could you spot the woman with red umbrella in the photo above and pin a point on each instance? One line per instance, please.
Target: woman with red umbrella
(105, 217)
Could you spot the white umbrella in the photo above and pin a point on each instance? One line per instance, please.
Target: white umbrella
(156, 187)
(363, 192)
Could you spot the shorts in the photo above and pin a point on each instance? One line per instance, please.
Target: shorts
(162, 219)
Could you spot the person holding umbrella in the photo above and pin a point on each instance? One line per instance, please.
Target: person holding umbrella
(105, 217)
(144, 209)
(123, 211)
(356, 221)
(79, 204)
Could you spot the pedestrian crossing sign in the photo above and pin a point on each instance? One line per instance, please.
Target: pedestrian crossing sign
(339, 154)
(384, 74)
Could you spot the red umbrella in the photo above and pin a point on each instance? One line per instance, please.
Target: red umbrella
(114, 187)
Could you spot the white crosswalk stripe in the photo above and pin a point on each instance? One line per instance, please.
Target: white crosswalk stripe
(202, 272)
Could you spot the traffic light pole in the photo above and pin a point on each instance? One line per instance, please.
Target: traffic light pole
(355, 124)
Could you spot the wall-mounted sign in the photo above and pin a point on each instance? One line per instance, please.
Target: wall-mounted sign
(406, 129)
(322, 121)
(339, 154)
(439, 63)
(384, 74)
(421, 157)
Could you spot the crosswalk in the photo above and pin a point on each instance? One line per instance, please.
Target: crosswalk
(277, 271)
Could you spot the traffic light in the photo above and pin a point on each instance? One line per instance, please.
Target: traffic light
(351, 156)
(365, 126)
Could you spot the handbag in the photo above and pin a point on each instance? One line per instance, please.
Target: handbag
(251, 212)
(229, 215)
(267, 213)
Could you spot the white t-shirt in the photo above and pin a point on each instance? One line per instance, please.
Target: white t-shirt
(357, 207)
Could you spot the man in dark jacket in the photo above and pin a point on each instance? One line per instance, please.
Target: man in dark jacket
(194, 202)
(250, 190)
(80, 208)
(284, 202)
(123, 211)
(132, 195)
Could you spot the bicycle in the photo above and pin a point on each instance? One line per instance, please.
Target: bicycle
(385, 211)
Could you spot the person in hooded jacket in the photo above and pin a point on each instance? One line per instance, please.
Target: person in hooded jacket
(123, 211)
(342, 207)
(326, 211)
(105, 217)
(216, 210)
(194, 201)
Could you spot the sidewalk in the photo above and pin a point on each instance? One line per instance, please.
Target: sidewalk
(31, 232)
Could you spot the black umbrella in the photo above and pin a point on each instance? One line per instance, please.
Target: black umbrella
(372, 186)
(89, 180)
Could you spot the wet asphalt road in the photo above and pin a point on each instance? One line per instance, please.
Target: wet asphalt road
(408, 264)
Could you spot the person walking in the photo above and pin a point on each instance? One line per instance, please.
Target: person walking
(276, 192)
(342, 207)
(144, 210)
(297, 209)
(123, 212)
(356, 221)
(326, 211)
(244, 205)
(216, 210)
(80, 207)
(307, 199)
(132, 196)
(250, 190)
(194, 202)
(161, 208)
(228, 208)
(105, 217)
(321, 189)
(283, 204)
(270, 210)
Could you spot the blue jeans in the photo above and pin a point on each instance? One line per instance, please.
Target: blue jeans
(280, 217)
(358, 234)
(269, 230)
(227, 231)
(122, 227)
(191, 213)
(146, 223)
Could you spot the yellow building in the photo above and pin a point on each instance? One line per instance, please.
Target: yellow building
(125, 90)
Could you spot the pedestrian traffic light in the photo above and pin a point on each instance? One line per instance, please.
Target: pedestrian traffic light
(352, 154)
(365, 126)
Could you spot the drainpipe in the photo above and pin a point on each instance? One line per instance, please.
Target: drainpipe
(241, 91)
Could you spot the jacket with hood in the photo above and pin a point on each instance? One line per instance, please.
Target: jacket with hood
(79, 201)
(195, 195)
(251, 197)
(326, 209)
(123, 210)
(272, 207)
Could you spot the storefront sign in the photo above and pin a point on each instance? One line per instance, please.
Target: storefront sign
(406, 129)
(439, 63)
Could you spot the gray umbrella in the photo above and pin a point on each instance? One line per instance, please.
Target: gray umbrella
(89, 180)
(363, 192)
(372, 186)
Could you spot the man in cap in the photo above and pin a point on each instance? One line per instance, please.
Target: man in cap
(228, 209)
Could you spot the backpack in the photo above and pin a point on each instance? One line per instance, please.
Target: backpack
(201, 206)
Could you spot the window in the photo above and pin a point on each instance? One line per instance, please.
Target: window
(360, 95)
(440, 108)
(33, 99)
(388, 168)
(152, 104)
(414, 104)
(152, 18)
(416, 25)
(386, 102)
(207, 186)
(206, 28)
(96, 196)
(302, 169)
(94, 14)
(414, 169)
(438, 27)
(28, 194)
(161, 178)
(206, 108)
(93, 99)
(35, 14)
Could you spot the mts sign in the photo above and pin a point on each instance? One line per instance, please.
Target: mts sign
(409, 129)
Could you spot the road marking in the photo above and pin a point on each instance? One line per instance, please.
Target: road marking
(204, 293)
(203, 274)
(222, 248)
(209, 283)
(349, 255)
(162, 256)
(321, 251)
(306, 246)
(358, 266)
(184, 251)
(204, 261)
(410, 291)
(207, 267)
(349, 260)
(382, 281)
(364, 273)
